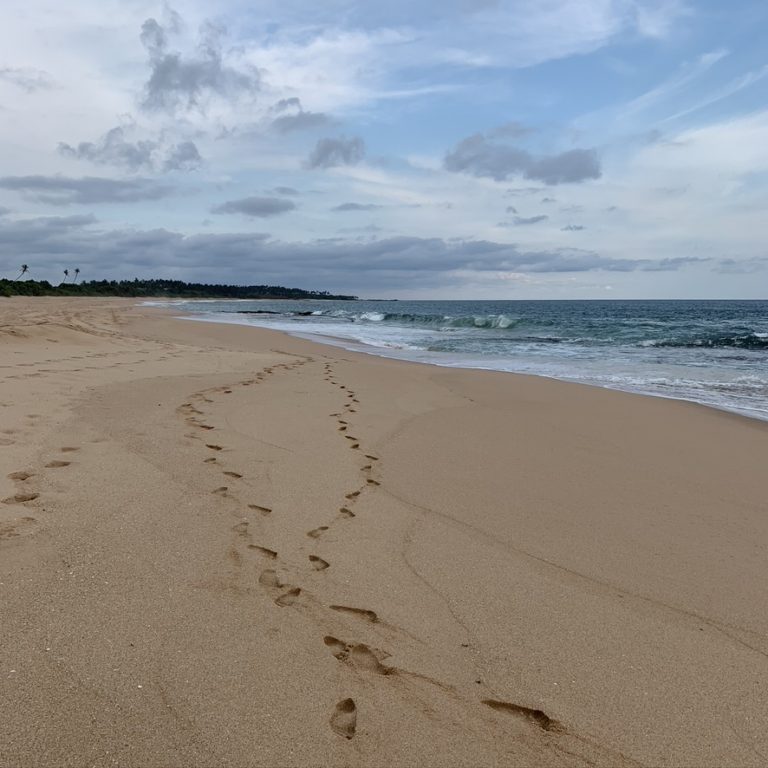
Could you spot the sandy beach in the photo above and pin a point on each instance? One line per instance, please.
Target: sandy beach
(224, 546)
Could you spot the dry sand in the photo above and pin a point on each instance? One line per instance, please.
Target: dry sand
(222, 546)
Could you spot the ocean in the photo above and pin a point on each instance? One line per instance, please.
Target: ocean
(709, 352)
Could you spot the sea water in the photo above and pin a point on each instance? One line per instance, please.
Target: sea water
(709, 352)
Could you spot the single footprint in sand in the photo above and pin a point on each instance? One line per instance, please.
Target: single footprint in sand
(372, 458)
(241, 528)
(535, 716)
(233, 474)
(361, 613)
(372, 482)
(318, 563)
(21, 526)
(362, 657)
(57, 464)
(346, 512)
(261, 510)
(316, 533)
(20, 498)
(268, 578)
(270, 553)
(211, 460)
(337, 647)
(68, 449)
(288, 598)
(352, 495)
(344, 718)
(20, 475)
(213, 447)
(221, 490)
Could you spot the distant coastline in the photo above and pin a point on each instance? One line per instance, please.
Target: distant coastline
(171, 289)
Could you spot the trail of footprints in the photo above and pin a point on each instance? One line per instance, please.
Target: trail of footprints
(356, 656)
(26, 525)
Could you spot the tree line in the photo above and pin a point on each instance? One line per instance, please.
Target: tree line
(155, 288)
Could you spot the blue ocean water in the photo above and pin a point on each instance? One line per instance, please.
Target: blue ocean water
(710, 352)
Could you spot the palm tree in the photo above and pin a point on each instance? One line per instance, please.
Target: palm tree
(24, 270)
(66, 275)
(77, 272)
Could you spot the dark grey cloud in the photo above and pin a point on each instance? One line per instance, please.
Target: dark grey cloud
(113, 148)
(481, 156)
(572, 228)
(259, 207)
(178, 82)
(521, 221)
(290, 191)
(547, 200)
(26, 78)
(731, 266)
(332, 152)
(4, 211)
(183, 157)
(88, 190)
(569, 167)
(357, 207)
(301, 121)
(511, 209)
(331, 264)
(293, 117)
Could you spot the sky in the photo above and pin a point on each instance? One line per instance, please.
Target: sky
(447, 149)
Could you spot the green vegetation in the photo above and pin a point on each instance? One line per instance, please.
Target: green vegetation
(171, 289)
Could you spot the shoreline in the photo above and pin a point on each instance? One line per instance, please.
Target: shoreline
(229, 546)
(353, 345)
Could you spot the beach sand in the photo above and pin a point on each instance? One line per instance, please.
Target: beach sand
(223, 546)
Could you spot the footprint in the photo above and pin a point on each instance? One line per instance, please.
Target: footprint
(211, 460)
(316, 533)
(372, 482)
(318, 563)
(68, 449)
(241, 528)
(536, 716)
(57, 464)
(20, 475)
(337, 647)
(372, 458)
(352, 495)
(346, 512)
(221, 490)
(270, 553)
(268, 578)
(342, 429)
(233, 474)
(288, 598)
(213, 447)
(354, 445)
(364, 658)
(344, 718)
(359, 612)
(262, 510)
(20, 498)
(21, 526)
(349, 437)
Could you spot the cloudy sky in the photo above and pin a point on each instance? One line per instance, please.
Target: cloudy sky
(414, 148)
